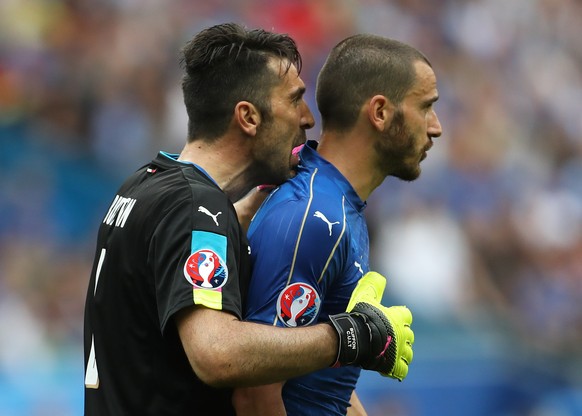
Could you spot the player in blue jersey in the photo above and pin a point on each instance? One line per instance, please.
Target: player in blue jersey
(309, 239)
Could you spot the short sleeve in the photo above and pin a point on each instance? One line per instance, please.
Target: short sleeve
(197, 253)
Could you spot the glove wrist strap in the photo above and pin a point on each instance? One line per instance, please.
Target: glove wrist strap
(354, 338)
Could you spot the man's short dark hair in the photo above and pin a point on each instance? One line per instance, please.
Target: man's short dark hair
(358, 68)
(225, 64)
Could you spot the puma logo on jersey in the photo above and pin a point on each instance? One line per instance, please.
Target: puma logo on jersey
(119, 211)
(319, 214)
(210, 214)
(359, 267)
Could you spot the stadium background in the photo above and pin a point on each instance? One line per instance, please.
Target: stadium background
(486, 247)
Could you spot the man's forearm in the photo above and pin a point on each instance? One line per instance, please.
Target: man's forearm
(226, 352)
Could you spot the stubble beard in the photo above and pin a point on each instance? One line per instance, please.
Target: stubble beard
(397, 148)
(276, 168)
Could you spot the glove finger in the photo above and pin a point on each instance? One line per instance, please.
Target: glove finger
(407, 354)
(400, 370)
(408, 335)
(370, 289)
(403, 313)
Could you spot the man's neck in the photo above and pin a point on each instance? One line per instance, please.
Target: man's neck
(225, 162)
(352, 155)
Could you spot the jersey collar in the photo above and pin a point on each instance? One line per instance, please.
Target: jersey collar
(310, 159)
(173, 157)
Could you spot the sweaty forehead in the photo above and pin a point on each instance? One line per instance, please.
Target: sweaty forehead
(280, 66)
(288, 75)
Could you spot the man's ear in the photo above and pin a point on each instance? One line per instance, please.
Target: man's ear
(380, 112)
(247, 117)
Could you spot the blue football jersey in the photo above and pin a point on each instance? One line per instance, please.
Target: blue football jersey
(309, 247)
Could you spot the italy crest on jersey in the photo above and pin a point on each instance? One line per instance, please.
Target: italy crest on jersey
(298, 305)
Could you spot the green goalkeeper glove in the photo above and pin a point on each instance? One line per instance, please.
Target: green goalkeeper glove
(374, 336)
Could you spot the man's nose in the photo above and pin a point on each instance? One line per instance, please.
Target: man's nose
(434, 125)
(307, 119)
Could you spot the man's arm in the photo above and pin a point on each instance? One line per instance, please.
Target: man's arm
(356, 408)
(247, 206)
(224, 351)
(259, 401)
(267, 401)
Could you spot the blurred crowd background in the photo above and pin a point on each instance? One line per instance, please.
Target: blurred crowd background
(485, 248)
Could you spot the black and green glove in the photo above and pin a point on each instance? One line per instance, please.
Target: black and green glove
(374, 336)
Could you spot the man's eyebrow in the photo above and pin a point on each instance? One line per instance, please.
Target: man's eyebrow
(434, 99)
(431, 100)
(298, 93)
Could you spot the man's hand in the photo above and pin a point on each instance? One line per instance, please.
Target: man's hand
(247, 206)
(374, 336)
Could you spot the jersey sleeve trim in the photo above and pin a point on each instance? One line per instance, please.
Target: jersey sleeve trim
(335, 246)
(211, 298)
(302, 228)
(295, 251)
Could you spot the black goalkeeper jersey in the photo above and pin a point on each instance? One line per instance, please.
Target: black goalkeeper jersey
(170, 240)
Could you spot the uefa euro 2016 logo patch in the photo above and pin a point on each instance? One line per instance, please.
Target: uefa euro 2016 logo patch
(204, 269)
(298, 305)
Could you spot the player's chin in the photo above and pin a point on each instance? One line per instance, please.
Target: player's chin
(408, 174)
(283, 175)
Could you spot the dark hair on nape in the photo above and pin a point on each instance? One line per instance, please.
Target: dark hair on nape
(228, 63)
(358, 68)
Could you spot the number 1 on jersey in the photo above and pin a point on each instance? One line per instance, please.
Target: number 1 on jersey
(91, 374)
